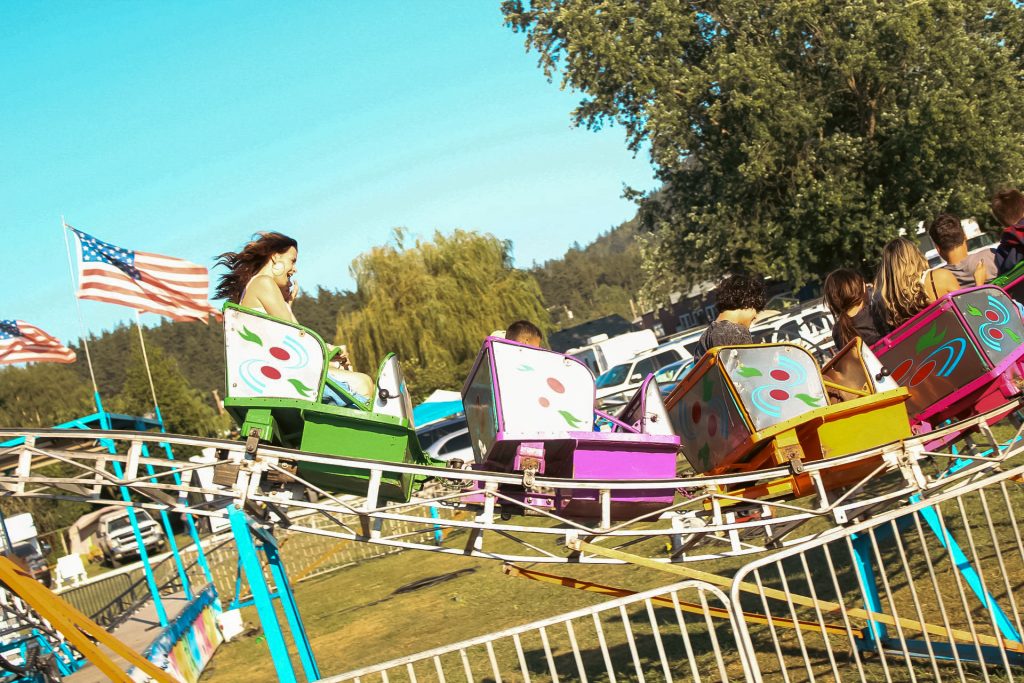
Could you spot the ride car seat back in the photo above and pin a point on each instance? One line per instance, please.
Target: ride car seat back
(646, 411)
(952, 349)
(856, 367)
(734, 392)
(519, 389)
(392, 395)
(271, 358)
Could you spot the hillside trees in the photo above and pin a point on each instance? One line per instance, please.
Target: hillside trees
(433, 303)
(794, 136)
(182, 407)
(596, 280)
(43, 394)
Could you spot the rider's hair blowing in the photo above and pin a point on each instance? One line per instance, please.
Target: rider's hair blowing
(243, 265)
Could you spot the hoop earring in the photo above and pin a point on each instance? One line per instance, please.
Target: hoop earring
(277, 268)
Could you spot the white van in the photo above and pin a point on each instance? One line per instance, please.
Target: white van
(602, 352)
(616, 386)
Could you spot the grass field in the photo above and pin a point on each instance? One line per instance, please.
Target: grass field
(354, 618)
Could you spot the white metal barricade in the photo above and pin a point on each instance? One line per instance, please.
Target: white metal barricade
(927, 592)
(678, 632)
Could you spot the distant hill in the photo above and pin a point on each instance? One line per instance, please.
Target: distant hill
(593, 281)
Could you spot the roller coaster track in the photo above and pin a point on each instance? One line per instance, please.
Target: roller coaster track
(703, 522)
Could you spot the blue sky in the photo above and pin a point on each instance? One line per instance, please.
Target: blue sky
(181, 128)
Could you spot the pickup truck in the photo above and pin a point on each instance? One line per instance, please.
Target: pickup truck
(115, 538)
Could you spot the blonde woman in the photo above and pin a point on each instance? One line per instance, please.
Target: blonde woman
(905, 285)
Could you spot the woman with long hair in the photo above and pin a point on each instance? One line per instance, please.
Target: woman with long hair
(905, 285)
(846, 295)
(259, 277)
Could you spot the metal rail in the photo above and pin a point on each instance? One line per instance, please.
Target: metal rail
(703, 522)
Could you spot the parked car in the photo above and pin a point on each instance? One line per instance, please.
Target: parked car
(434, 431)
(670, 375)
(602, 352)
(615, 386)
(116, 539)
(809, 327)
(688, 338)
(456, 445)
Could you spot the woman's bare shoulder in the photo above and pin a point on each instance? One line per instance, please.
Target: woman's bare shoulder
(262, 283)
(946, 279)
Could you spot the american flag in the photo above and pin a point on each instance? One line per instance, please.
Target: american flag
(149, 282)
(24, 343)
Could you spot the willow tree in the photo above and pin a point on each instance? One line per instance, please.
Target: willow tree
(434, 302)
(794, 136)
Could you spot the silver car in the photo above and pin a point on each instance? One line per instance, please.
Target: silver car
(454, 446)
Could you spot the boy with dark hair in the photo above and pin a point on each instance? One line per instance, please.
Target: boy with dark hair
(950, 241)
(524, 332)
(1008, 209)
(739, 298)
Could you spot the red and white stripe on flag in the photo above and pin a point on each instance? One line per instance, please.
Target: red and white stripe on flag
(152, 283)
(21, 342)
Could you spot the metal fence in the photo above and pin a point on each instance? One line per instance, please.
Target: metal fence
(930, 591)
(674, 633)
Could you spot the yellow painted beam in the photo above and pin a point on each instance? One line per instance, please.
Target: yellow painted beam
(76, 627)
(689, 607)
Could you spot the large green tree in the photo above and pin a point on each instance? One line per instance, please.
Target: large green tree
(433, 303)
(793, 136)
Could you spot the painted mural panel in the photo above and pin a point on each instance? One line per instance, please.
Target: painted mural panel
(994, 320)
(934, 359)
(708, 421)
(270, 359)
(187, 644)
(478, 402)
(774, 383)
(542, 391)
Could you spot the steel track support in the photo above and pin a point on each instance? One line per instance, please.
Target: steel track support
(154, 590)
(243, 531)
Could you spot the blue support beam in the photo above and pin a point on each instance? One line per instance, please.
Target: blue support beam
(250, 561)
(147, 569)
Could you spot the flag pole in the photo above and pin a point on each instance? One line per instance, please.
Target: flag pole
(145, 359)
(154, 590)
(81, 321)
(189, 519)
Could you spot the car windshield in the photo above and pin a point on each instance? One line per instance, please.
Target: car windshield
(613, 377)
(122, 522)
(24, 549)
(669, 372)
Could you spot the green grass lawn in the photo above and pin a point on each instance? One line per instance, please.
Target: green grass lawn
(354, 619)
